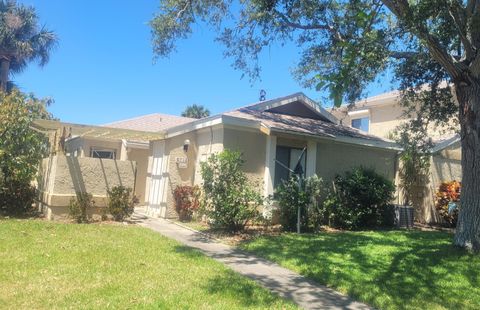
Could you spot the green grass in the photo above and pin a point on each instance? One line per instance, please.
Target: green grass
(51, 265)
(387, 269)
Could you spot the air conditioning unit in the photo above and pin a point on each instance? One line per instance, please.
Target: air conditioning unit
(404, 216)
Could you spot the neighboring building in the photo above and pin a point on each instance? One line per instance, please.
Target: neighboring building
(380, 115)
(271, 135)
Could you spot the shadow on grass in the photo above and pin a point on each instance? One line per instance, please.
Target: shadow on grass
(389, 269)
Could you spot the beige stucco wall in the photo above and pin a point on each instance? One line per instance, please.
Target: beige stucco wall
(337, 158)
(62, 176)
(177, 175)
(445, 166)
(140, 157)
(208, 141)
(252, 145)
(383, 118)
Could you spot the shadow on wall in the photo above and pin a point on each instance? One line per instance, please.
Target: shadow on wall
(76, 174)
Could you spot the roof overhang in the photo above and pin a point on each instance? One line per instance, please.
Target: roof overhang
(93, 131)
(445, 144)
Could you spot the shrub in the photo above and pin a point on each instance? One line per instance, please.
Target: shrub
(360, 199)
(448, 193)
(21, 149)
(121, 202)
(230, 201)
(294, 194)
(186, 201)
(80, 206)
(16, 197)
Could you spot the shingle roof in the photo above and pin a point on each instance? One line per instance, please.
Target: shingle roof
(302, 125)
(152, 122)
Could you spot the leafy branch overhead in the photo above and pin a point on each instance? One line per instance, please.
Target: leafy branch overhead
(345, 44)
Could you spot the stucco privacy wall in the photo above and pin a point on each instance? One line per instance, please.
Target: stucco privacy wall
(62, 176)
(336, 158)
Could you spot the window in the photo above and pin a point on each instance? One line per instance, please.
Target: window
(286, 161)
(361, 123)
(102, 153)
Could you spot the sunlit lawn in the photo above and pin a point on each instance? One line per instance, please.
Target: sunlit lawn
(387, 269)
(51, 265)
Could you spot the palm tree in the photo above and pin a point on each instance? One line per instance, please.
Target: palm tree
(22, 40)
(196, 111)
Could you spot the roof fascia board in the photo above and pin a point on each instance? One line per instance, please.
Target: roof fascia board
(144, 145)
(391, 146)
(443, 145)
(201, 123)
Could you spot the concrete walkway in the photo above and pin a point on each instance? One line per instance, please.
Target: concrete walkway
(284, 282)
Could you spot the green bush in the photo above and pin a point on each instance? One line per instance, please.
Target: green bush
(21, 150)
(360, 199)
(79, 207)
(121, 202)
(16, 197)
(295, 193)
(229, 200)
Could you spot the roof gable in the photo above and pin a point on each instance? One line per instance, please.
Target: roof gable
(295, 105)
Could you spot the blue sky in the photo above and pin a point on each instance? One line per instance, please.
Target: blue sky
(103, 68)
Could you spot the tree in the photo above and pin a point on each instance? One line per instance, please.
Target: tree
(196, 111)
(348, 44)
(21, 149)
(22, 40)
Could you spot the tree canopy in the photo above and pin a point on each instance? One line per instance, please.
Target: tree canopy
(432, 46)
(22, 39)
(196, 111)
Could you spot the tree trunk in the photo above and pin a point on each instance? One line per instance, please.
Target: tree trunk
(4, 70)
(468, 227)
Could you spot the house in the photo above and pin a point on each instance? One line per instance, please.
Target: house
(270, 134)
(380, 115)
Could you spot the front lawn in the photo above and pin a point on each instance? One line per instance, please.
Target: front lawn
(387, 269)
(51, 265)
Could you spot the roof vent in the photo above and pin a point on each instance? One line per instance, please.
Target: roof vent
(263, 95)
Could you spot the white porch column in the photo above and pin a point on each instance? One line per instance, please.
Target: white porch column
(157, 194)
(123, 150)
(311, 168)
(269, 176)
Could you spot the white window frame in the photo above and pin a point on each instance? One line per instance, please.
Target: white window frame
(362, 117)
(113, 152)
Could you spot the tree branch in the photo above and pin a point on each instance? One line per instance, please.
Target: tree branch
(402, 55)
(458, 16)
(292, 24)
(185, 7)
(402, 10)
